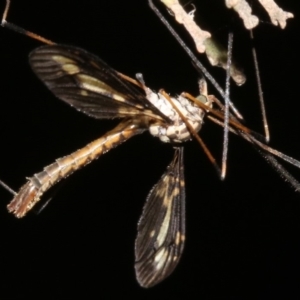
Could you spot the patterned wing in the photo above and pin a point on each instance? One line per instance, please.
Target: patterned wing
(89, 84)
(161, 229)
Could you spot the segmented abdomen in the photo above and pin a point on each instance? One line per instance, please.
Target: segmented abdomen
(37, 185)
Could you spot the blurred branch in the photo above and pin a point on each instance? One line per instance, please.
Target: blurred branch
(187, 20)
(216, 54)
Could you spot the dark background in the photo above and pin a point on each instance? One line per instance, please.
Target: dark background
(242, 234)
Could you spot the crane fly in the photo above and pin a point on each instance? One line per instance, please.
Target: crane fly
(91, 86)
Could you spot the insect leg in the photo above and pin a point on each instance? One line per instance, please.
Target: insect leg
(21, 30)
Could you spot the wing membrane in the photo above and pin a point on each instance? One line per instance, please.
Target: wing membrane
(161, 229)
(89, 84)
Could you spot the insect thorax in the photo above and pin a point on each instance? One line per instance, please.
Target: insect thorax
(178, 131)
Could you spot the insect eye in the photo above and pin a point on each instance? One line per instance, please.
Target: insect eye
(202, 99)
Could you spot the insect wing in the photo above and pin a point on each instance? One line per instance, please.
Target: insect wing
(161, 229)
(86, 82)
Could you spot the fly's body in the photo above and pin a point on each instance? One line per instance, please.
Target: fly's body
(173, 130)
(177, 132)
(91, 86)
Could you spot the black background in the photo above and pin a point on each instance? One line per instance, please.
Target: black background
(242, 234)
